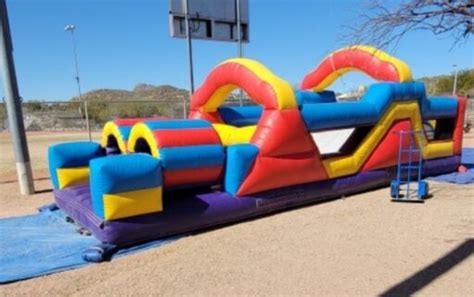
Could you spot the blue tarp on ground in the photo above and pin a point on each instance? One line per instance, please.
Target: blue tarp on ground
(45, 243)
(467, 160)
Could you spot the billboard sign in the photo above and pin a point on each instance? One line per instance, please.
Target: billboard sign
(209, 19)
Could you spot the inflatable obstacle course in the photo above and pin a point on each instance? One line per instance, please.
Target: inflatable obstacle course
(151, 178)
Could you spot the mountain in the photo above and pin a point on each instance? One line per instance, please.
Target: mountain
(144, 100)
(141, 92)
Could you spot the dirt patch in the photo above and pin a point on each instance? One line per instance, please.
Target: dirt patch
(38, 143)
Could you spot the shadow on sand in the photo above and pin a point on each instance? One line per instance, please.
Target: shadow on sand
(428, 274)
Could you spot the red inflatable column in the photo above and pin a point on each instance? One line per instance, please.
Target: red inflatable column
(459, 128)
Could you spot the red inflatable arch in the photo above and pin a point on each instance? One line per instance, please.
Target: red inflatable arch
(369, 60)
(284, 144)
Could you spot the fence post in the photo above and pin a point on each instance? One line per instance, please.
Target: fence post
(185, 112)
(88, 127)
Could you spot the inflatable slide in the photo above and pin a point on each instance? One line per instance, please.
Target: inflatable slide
(150, 178)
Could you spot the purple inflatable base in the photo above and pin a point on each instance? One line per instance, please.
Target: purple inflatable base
(190, 211)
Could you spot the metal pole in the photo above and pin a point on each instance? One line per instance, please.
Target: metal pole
(71, 29)
(15, 116)
(185, 113)
(455, 79)
(239, 43)
(190, 47)
(239, 28)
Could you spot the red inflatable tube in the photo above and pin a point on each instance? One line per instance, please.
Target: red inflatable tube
(234, 74)
(459, 128)
(186, 137)
(192, 176)
(351, 58)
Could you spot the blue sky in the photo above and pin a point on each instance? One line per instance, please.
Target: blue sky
(125, 42)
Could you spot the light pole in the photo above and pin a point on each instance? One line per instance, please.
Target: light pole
(239, 28)
(71, 29)
(239, 42)
(13, 104)
(190, 46)
(185, 5)
(455, 79)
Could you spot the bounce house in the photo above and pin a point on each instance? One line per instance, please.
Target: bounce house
(152, 178)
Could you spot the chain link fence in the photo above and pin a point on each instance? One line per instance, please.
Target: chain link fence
(70, 115)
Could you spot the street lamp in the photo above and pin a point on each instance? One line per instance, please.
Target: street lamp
(455, 79)
(71, 29)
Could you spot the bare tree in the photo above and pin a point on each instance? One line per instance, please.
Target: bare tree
(384, 23)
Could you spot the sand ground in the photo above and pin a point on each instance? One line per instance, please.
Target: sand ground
(360, 245)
